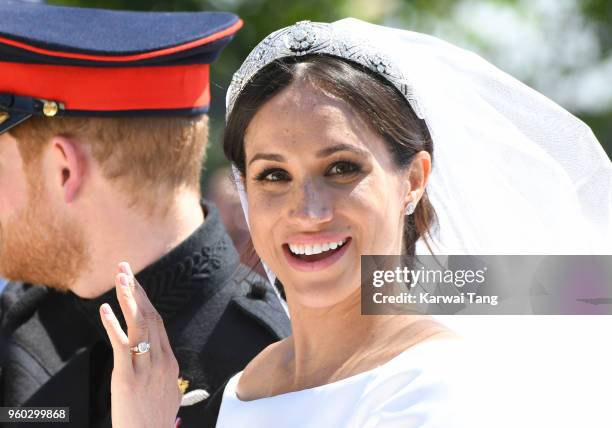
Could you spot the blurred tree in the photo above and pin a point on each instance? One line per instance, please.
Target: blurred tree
(600, 12)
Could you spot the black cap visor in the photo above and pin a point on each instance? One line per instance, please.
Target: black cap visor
(9, 119)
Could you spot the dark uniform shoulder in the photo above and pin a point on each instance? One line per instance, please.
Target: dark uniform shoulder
(18, 302)
(216, 338)
(230, 327)
(41, 334)
(258, 300)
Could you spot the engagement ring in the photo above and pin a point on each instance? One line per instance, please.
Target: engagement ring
(141, 348)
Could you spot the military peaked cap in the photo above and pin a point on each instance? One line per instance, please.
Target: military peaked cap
(103, 63)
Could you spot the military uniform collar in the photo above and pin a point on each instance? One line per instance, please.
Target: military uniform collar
(199, 265)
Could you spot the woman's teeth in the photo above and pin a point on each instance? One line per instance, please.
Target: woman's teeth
(316, 248)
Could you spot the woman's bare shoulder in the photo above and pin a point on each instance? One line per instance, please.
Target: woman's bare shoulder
(259, 376)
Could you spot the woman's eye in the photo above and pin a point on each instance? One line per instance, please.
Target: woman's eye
(273, 175)
(343, 168)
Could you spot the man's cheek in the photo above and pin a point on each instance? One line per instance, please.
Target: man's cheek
(12, 199)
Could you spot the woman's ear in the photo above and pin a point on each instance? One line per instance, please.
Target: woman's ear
(416, 178)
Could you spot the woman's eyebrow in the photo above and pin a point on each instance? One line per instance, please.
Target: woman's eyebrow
(267, 156)
(341, 147)
(320, 154)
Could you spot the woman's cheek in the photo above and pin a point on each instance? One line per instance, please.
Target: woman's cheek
(264, 217)
(373, 211)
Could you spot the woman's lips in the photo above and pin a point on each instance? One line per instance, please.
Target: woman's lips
(317, 261)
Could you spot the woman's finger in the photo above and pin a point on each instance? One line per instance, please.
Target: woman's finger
(154, 320)
(137, 324)
(147, 316)
(118, 339)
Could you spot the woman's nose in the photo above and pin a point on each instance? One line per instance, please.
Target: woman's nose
(311, 204)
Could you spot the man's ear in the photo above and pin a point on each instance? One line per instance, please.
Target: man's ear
(70, 165)
(417, 176)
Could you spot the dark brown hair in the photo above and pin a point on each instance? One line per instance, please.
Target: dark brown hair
(375, 99)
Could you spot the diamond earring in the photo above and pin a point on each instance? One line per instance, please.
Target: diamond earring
(410, 208)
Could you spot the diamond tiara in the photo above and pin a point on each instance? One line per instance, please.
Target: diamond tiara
(304, 38)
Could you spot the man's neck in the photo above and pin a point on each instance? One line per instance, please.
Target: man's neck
(124, 233)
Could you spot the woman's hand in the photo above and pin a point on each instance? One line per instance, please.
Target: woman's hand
(144, 387)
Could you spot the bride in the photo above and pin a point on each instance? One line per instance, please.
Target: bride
(333, 131)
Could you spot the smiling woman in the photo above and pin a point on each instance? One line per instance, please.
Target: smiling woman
(334, 163)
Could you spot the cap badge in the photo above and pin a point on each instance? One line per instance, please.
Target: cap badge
(50, 108)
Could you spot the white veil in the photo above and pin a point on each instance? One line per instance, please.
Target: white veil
(513, 172)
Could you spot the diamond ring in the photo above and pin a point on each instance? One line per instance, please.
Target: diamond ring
(141, 348)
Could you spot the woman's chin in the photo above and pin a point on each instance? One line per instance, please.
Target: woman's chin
(325, 294)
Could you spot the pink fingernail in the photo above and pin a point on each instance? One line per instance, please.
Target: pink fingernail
(106, 309)
(124, 280)
(125, 266)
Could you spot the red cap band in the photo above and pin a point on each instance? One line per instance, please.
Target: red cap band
(110, 89)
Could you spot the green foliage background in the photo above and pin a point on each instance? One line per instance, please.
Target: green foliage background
(264, 16)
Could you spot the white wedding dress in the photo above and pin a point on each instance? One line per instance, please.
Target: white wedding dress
(434, 384)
